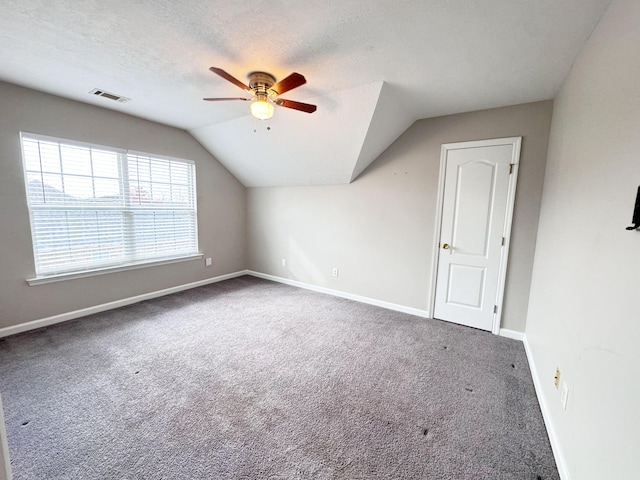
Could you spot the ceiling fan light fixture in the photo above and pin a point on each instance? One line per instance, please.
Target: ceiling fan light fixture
(262, 109)
(266, 92)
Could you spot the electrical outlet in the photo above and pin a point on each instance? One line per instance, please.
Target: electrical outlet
(564, 395)
(335, 272)
(284, 262)
(208, 262)
(556, 378)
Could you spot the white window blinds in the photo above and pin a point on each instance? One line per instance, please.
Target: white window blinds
(94, 207)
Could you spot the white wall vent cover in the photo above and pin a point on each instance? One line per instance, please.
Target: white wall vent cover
(111, 96)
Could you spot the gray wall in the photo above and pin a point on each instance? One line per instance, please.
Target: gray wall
(379, 230)
(221, 206)
(583, 315)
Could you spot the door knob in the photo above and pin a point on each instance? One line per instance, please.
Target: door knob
(445, 246)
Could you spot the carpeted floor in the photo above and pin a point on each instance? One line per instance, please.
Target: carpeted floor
(249, 379)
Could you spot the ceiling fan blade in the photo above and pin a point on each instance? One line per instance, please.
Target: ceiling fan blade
(230, 78)
(222, 99)
(292, 81)
(303, 107)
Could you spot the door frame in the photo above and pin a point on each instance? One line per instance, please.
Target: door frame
(516, 143)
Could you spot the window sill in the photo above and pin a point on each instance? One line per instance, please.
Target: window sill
(101, 271)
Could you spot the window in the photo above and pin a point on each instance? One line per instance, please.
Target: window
(94, 207)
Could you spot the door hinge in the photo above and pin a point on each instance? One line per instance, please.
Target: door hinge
(511, 165)
(495, 309)
(503, 240)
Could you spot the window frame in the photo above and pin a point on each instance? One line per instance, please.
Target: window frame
(126, 208)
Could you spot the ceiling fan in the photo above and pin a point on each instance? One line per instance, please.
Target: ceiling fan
(265, 92)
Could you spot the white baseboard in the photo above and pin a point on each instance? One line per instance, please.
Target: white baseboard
(561, 463)
(63, 317)
(505, 332)
(337, 293)
(5, 464)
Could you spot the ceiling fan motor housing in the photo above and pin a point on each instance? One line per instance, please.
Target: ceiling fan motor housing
(261, 82)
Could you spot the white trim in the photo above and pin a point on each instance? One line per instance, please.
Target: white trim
(516, 143)
(436, 230)
(337, 293)
(505, 332)
(63, 317)
(77, 143)
(5, 463)
(561, 463)
(101, 271)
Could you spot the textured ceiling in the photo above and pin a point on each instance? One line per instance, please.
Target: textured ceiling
(372, 67)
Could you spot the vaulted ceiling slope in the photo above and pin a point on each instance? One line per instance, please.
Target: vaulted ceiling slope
(330, 147)
(371, 67)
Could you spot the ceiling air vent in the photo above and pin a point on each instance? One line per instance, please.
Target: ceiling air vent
(111, 96)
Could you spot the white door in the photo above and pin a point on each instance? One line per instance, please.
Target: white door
(477, 195)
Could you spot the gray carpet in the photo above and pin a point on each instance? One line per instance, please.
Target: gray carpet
(249, 379)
